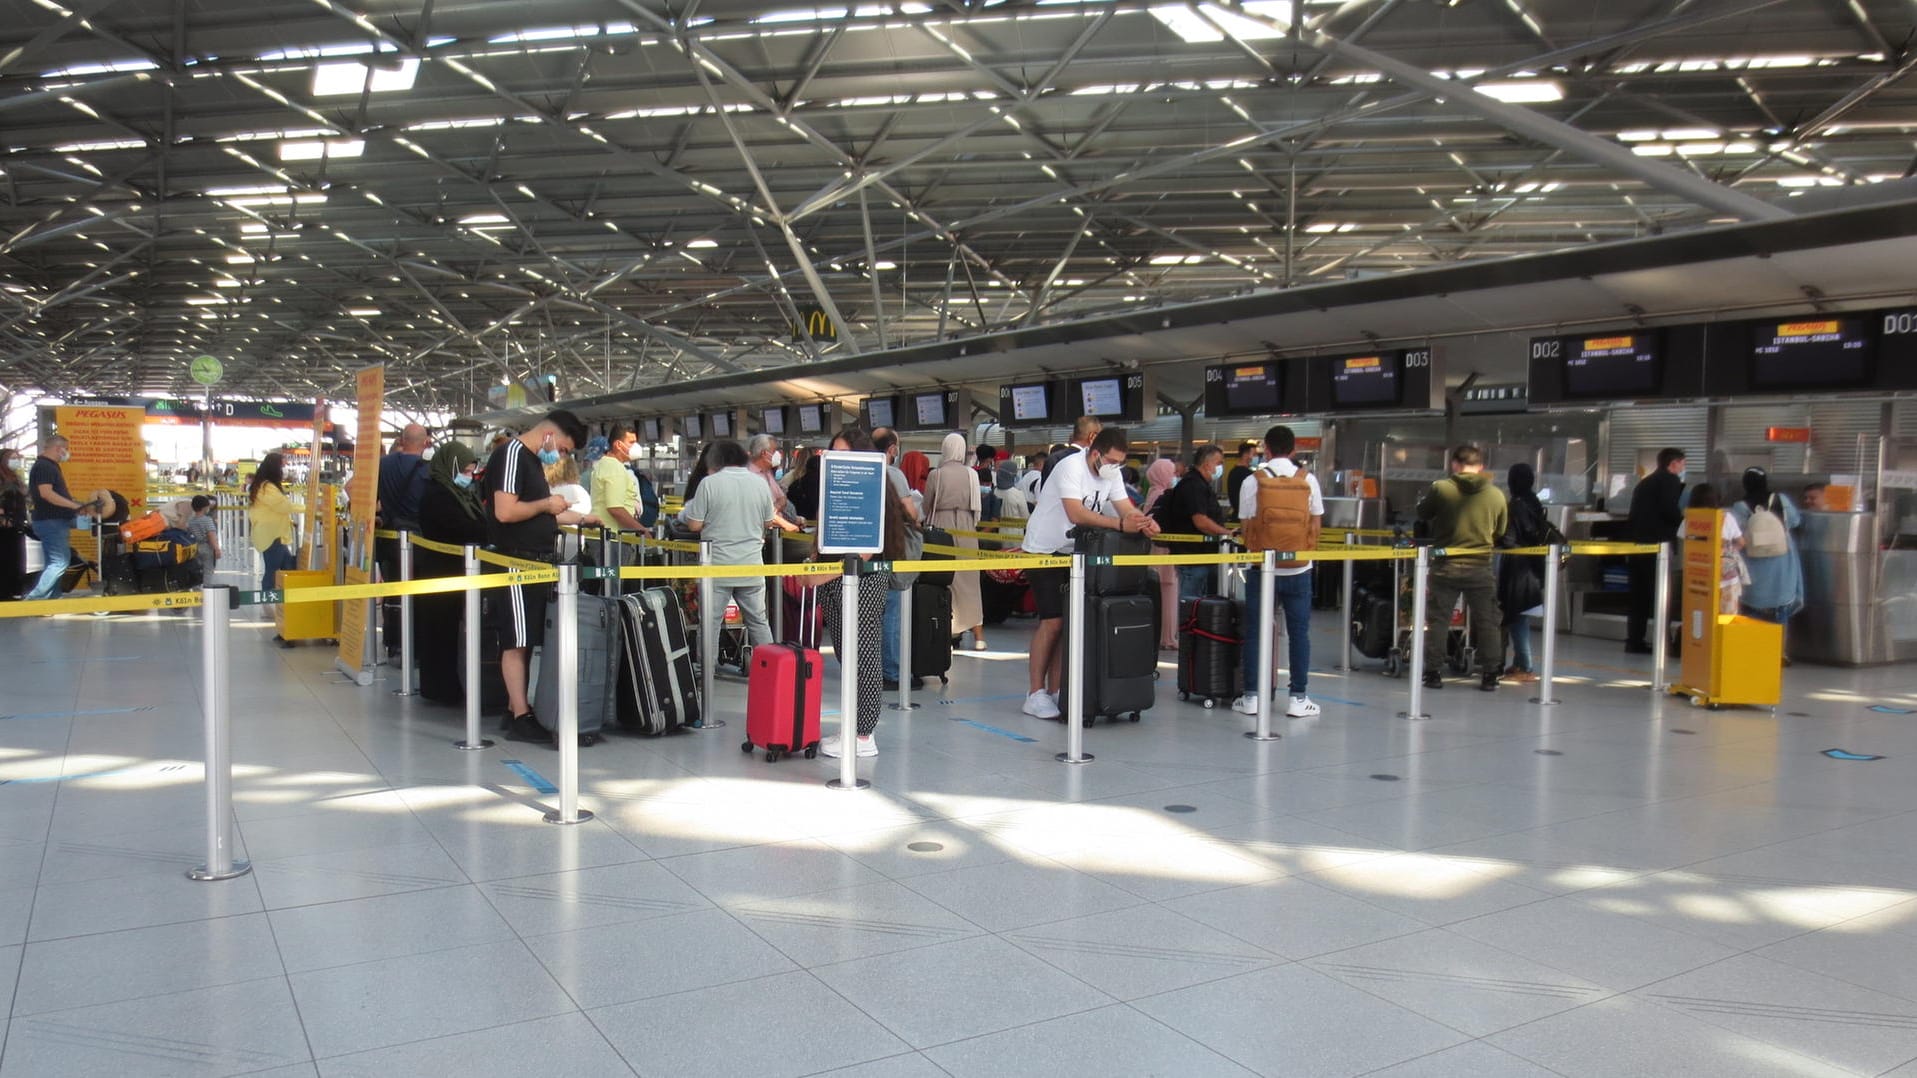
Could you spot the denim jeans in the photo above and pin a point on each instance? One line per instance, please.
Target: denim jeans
(749, 593)
(1293, 594)
(1196, 582)
(1519, 633)
(889, 637)
(272, 560)
(56, 543)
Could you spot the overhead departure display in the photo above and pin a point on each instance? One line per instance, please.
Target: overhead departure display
(720, 424)
(1031, 403)
(1613, 366)
(1101, 396)
(1111, 397)
(649, 430)
(1244, 389)
(812, 418)
(880, 412)
(1373, 381)
(1812, 353)
(695, 427)
(772, 420)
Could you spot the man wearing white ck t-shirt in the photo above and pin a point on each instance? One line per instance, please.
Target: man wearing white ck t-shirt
(1084, 490)
(1291, 586)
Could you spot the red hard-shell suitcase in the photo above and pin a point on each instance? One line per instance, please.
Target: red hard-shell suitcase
(785, 693)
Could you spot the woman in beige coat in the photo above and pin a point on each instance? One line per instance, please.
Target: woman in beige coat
(952, 502)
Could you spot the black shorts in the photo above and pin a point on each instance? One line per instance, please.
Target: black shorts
(1048, 591)
(518, 614)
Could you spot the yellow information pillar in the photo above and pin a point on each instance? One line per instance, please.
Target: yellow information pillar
(1727, 658)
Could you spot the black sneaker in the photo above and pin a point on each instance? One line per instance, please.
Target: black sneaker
(1635, 648)
(1434, 681)
(1488, 682)
(526, 728)
(891, 686)
(587, 741)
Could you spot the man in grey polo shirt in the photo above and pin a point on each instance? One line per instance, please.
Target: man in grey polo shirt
(732, 509)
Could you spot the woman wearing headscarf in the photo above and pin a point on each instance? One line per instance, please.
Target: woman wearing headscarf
(1776, 588)
(1159, 478)
(450, 512)
(916, 466)
(952, 502)
(1521, 577)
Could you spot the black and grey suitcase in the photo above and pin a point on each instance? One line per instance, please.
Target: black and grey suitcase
(1208, 648)
(658, 688)
(1120, 676)
(599, 636)
(931, 629)
(1111, 579)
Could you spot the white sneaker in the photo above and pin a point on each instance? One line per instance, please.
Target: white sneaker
(1041, 705)
(830, 746)
(1246, 704)
(1301, 707)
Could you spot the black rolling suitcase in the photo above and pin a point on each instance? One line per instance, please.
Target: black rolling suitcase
(1120, 676)
(1115, 579)
(931, 629)
(600, 636)
(1209, 644)
(492, 685)
(658, 689)
(75, 574)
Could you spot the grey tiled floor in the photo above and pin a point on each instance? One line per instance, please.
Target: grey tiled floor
(1677, 892)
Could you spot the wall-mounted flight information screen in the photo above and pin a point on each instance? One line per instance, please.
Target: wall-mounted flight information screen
(1031, 403)
(880, 412)
(1245, 389)
(1374, 381)
(1812, 353)
(1612, 365)
(812, 418)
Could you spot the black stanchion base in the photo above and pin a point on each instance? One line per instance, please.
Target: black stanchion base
(857, 784)
(555, 817)
(706, 724)
(1414, 718)
(1253, 735)
(905, 707)
(1542, 702)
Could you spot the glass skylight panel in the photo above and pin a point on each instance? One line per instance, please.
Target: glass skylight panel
(315, 149)
(102, 145)
(1190, 26)
(353, 78)
(107, 68)
(1523, 91)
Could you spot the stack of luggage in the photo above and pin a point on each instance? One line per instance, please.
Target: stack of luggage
(1121, 630)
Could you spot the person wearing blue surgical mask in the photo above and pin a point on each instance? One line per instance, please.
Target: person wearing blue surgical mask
(1192, 508)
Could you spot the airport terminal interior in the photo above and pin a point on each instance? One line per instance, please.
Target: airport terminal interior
(1576, 235)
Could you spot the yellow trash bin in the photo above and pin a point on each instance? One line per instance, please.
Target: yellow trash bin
(307, 621)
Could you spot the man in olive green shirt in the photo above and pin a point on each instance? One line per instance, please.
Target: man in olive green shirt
(1466, 514)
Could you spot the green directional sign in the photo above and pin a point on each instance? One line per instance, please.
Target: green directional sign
(207, 371)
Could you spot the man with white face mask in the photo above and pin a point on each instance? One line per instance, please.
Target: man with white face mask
(766, 458)
(54, 512)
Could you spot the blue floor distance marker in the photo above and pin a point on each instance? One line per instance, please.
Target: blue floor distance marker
(533, 778)
(1840, 754)
(1886, 709)
(995, 730)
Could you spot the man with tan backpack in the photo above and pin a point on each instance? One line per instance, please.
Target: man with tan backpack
(1282, 509)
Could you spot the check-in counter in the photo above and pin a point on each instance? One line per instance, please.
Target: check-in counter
(1860, 601)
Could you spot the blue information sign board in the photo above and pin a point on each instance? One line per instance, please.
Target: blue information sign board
(851, 502)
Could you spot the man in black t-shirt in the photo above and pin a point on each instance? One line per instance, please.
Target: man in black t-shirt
(525, 516)
(1192, 509)
(1235, 482)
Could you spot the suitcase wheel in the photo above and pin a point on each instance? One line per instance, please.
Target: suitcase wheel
(1209, 704)
(1136, 716)
(1183, 696)
(745, 746)
(811, 752)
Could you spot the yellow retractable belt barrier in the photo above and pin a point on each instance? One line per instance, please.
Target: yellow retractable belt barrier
(101, 604)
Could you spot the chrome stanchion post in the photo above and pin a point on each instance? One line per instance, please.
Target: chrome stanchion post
(1420, 586)
(563, 650)
(1661, 619)
(1547, 676)
(708, 642)
(406, 657)
(1266, 637)
(1351, 582)
(905, 652)
(217, 692)
(849, 678)
(473, 741)
(778, 592)
(1074, 680)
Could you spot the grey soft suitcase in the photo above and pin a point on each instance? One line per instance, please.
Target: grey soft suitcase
(599, 652)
